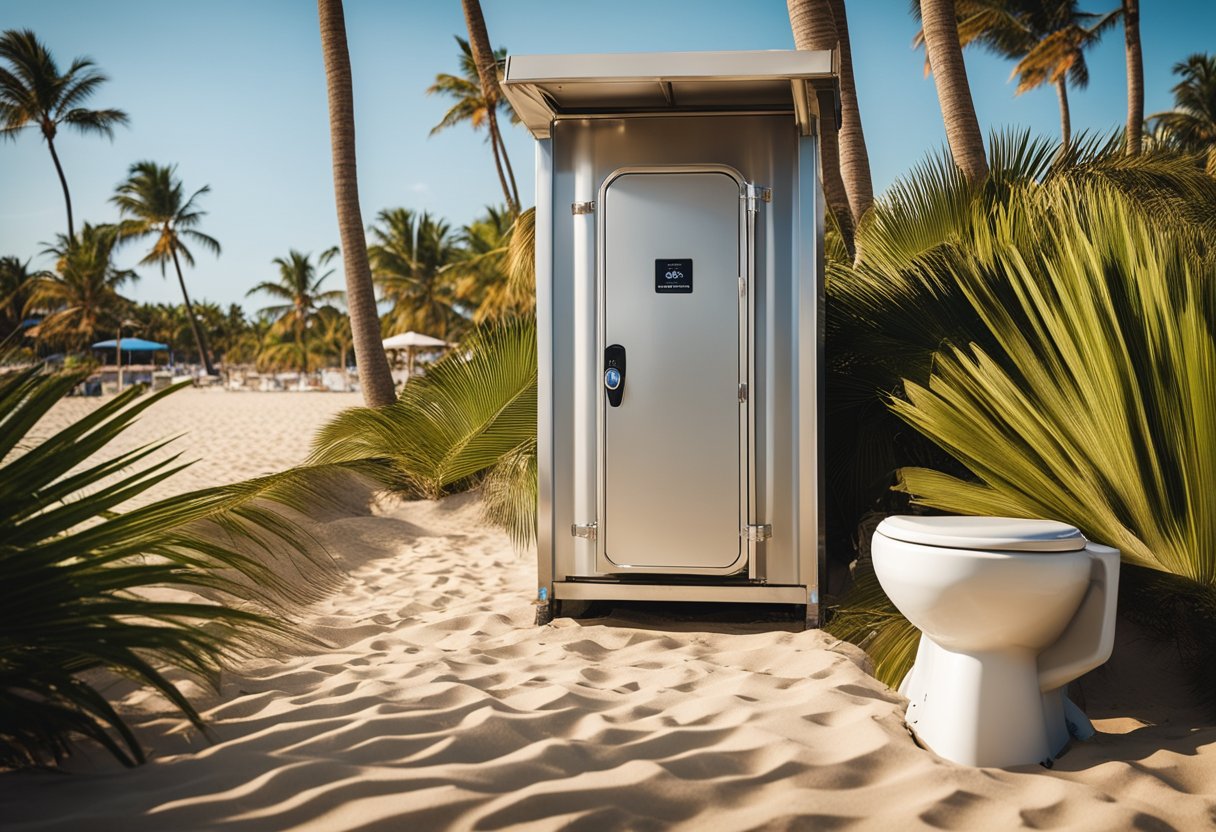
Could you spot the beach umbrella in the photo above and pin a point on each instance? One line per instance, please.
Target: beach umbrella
(129, 345)
(411, 341)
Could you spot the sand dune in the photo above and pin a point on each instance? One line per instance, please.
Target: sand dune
(437, 704)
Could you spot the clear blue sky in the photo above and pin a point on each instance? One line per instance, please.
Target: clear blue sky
(234, 92)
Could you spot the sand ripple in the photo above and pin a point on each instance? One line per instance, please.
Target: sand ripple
(439, 705)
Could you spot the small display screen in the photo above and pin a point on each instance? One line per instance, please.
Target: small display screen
(673, 276)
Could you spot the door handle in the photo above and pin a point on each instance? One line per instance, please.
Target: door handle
(614, 374)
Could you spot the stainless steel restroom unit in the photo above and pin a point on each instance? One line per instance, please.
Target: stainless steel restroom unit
(679, 270)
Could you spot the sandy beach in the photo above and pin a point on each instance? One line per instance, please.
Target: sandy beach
(438, 704)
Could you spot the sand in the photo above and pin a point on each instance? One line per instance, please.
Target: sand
(439, 704)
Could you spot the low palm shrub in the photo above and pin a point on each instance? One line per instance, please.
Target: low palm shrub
(471, 419)
(76, 567)
(1053, 335)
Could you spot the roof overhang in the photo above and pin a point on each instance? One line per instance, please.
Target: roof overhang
(542, 88)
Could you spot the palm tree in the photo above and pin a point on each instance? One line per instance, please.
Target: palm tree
(487, 73)
(34, 94)
(153, 203)
(80, 297)
(470, 106)
(299, 287)
(814, 28)
(945, 55)
(854, 160)
(374, 372)
(482, 283)
(410, 255)
(1135, 77)
(1048, 39)
(14, 294)
(1191, 125)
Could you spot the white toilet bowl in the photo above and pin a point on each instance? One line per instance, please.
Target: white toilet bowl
(1010, 611)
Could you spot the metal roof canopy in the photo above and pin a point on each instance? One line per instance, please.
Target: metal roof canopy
(544, 87)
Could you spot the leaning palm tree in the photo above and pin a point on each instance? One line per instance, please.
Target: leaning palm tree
(411, 255)
(1191, 125)
(154, 205)
(814, 28)
(470, 105)
(1135, 77)
(944, 51)
(374, 372)
(33, 93)
(1048, 39)
(80, 297)
(487, 73)
(299, 289)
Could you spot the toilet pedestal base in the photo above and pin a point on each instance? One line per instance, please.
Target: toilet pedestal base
(982, 709)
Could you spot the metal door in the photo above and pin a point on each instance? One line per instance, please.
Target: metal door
(673, 427)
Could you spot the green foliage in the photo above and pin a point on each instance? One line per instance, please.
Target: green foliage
(916, 320)
(410, 258)
(1191, 125)
(79, 571)
(34, 93)
(80, 299)
(299, 290)
(472, 415)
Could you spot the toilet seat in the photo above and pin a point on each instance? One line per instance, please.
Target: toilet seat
(1002, 534)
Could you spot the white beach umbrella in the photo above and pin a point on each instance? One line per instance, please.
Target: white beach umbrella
(411, 341)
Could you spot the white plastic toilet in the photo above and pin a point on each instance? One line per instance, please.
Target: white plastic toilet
(1010, 611)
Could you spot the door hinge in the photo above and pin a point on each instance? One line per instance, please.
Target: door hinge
(756, 194)
(742, 392)
(582, 208)
(584, 530)
(756, 533)
(742, 287)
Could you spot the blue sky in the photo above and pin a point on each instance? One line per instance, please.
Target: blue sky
(233, 92)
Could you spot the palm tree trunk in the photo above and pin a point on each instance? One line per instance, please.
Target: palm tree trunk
(67, 197)
(374, 373)
(1135, 78)
(940, 25)
(199, 341)
(854, 160)
(502, 179)
(487, 72)
(814, 29)
(1065, 118)
(506, 161)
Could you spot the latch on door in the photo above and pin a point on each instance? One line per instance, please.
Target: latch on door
(614, 374)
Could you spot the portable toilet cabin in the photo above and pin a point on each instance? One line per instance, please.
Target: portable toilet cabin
(679, 280)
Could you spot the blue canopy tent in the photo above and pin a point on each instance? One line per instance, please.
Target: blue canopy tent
(129, 345)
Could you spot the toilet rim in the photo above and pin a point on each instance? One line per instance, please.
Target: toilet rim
(988, 534)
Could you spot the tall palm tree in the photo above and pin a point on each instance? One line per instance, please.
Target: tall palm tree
(1048, 38)
(945, 54)
(814, 28)
(1135, 77)
(470, 105)
(487, 73)
(80, 297)
(1191, 125)
(854, 159)
(410, 255)
(374, 372)
(33, 93)
(299, 287)
(153, 204)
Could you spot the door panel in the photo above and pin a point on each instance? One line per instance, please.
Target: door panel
(672, 462)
